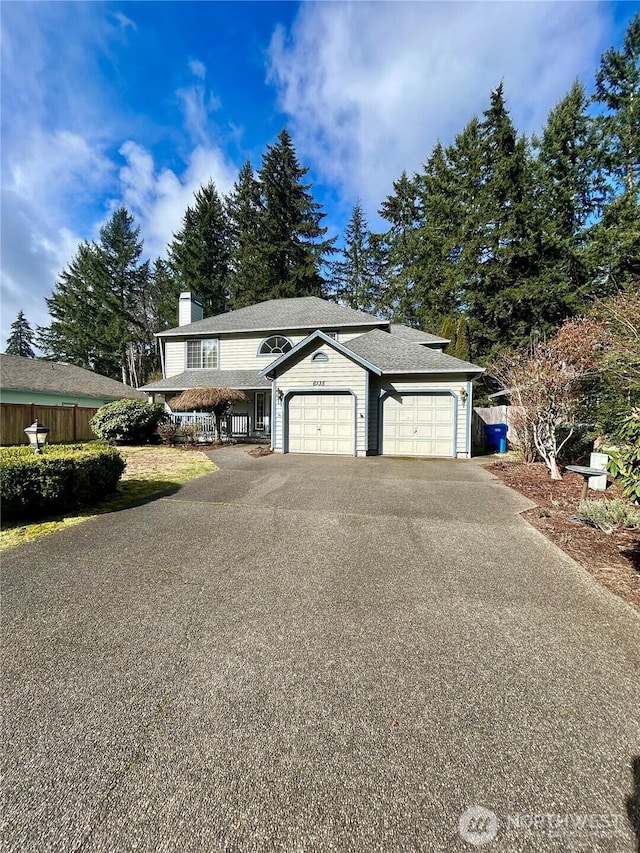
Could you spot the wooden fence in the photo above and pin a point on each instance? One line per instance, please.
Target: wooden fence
(494, 415)
(66, 423)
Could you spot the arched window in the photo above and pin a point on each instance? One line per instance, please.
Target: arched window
(275, 345)
(320, 356)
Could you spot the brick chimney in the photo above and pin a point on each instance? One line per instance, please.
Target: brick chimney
(189, 309)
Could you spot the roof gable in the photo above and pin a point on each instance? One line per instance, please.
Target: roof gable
(320, 337)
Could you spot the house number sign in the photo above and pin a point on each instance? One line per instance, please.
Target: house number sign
(318, 382)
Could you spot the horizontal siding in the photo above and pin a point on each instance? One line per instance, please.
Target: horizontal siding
(241, 353)
(174, 358)
(453, 384)
(337, 373)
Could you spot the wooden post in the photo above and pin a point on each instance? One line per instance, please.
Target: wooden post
(75, 410)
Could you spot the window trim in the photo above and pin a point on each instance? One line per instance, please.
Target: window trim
(320, 357)
(274, 354)
(201, 341)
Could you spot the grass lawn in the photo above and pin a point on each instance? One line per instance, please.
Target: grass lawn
(150, 470)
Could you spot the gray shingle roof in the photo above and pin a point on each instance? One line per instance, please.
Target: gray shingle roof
(394, 355)
(55, 377)
(406, 333)
(306, 312)
(244, 380)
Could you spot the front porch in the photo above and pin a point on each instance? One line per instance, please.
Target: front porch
(247, 421)
(236, 425)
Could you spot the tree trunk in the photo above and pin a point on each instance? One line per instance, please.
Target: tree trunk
(553, 468)
(218, 436)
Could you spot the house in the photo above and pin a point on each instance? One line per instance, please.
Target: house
(323, 378)
(64, 397)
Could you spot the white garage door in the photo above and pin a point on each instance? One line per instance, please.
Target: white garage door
(418, 425)
(321, 423)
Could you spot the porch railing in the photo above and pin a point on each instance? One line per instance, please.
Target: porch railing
(234, 425)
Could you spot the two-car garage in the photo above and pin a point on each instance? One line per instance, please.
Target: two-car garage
(409, 424)
(331, 399)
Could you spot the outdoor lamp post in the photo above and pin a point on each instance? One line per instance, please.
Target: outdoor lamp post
(37, 435)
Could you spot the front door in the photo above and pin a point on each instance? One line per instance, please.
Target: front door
(261, 412)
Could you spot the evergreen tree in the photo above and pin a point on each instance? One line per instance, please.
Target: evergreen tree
(437, 291)
(462, 349)
(200, 252)
(401, 210)
(248, 283)
(567, 195)
(97, 307)
(448, 331)
(292, 248)
(20, 341)
(74, 334)
(616, 237)
(498, 292)
(618, 90)
(353, 275)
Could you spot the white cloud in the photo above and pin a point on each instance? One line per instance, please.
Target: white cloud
(159, 198)
(125, 23)
(370, 87)
(197, 104)
(198, 69)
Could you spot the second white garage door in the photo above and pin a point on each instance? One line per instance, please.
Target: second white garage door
(321, 423)
(418, 425)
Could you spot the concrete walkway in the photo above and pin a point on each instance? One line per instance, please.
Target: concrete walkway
(316, 654)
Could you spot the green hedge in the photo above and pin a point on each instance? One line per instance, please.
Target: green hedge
(57, 480)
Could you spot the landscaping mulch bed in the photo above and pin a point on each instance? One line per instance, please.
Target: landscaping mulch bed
(612, 558)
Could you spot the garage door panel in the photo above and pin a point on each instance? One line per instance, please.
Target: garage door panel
(418, 425)
(321, 423)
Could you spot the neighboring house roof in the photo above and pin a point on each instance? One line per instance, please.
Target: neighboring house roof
(306, 312)
(243, 380)
(56, 377)
(406, 333)
(393, 355)
(320, 336)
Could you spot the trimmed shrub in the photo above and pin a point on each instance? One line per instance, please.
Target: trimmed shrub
(168, 433)
(58, 479)
(127, 421)
(189, 433)
(624, 463)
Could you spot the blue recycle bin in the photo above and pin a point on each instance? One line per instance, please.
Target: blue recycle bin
(496, 437)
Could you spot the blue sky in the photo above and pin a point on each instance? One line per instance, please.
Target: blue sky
(140, 103)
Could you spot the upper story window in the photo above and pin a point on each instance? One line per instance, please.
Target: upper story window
(202, 354)
(332, 334)
(275, 345)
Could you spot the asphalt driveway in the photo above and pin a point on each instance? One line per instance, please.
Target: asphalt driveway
(316, 654)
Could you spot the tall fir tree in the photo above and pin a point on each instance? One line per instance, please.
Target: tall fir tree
(616, 238)
(500, 236)
(437, 291)
(618, 90)
(20, 341)
(293, 247)
(353, 273)
(97, 307)
(200, 252)
(567, 195)
(401, 210)
(248, 283)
